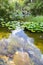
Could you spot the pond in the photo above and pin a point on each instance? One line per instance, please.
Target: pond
(38, 39)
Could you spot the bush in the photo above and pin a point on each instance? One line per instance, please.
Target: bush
(9, 15)
(34, 27)
(37, 9)
(6, 10)
(35, 24)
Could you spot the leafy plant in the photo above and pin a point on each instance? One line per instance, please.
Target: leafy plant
(37, 9)
(35, 24)
(34, 27)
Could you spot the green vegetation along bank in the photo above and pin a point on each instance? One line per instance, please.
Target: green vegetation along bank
(30, 13)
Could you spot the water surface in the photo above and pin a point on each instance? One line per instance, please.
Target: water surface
(38, 39)
(4, 33)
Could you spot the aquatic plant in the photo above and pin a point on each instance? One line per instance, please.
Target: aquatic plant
(34, 26)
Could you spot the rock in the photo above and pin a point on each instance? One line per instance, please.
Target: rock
(2, 62)
(22, 58)
(17, 40)
(10, 63)
(4, 57)
(41, 58)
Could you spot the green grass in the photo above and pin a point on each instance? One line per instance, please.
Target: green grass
(34, 19)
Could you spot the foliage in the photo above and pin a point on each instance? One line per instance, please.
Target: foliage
(37, 9)
(13, 12)
(9, 14)
(6, 10)
(11, 25)
(36, 19)
(34, 25)
(31, 18)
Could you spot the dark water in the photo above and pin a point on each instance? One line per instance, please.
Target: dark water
(38, 39)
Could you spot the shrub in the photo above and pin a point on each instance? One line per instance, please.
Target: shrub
(35, 24)
(37, 9)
